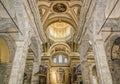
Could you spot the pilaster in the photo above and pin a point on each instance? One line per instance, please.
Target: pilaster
(18, 66)
(35, 79)
(22, 44)
(85, 72)
(96, 22)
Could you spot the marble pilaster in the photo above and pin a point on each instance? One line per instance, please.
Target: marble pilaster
(35, 79)
(22, 43)
(96, 23)
(85, 72)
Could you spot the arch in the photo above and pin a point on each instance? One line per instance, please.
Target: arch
(113, 50)
(7, 52)
(60, 58)
(109, 45)
(11, 45)
(63, 19)
(4, 60)
(59, 43)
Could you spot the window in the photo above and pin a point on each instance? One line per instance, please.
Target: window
(60, 59)
(54, 60)
(65, 60)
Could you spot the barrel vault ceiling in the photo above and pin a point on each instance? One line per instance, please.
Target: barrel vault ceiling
(60, 17)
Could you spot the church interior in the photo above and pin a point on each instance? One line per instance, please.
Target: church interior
(59, 41)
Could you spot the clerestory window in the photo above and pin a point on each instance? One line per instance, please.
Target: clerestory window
(60, 59)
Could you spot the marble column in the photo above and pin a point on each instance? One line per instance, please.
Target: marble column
(85, 72)
(102, 63)
(91, 63)
(22, 43)
(35, 79)
(18, 66)
(96, 22)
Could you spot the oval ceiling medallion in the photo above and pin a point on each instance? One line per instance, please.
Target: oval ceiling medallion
(59, 7)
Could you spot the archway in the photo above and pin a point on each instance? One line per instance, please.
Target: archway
(4, 51)
(115, 59)
(4, 59)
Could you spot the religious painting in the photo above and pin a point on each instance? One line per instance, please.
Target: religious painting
(59, 7)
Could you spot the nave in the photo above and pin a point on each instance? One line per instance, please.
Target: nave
(59, 42)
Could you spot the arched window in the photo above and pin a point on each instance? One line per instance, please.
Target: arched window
(60, 59)
(54, 60)
(65, 60)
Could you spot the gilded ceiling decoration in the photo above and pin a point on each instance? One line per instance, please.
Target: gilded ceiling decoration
(60, 31)
(62, 47)
(60, 18)
(53, 10)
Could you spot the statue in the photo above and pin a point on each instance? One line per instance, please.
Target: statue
(60, 75)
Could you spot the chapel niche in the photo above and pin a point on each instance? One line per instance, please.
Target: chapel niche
(115, 61)
(116, 49)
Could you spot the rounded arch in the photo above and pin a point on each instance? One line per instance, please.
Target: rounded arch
(59, 43)
(10, 45)
(60, 58)
(7, 52)
(109, 45)
(59, 46)
(113, 50)
(63, 19)
(60, 52)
